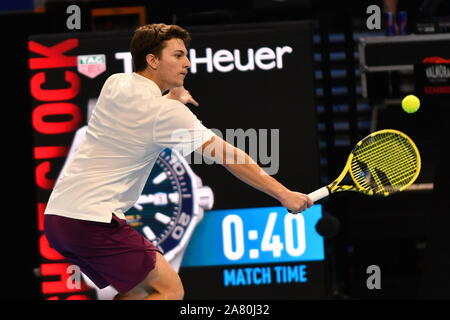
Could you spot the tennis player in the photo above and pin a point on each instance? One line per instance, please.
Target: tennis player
(130, 125)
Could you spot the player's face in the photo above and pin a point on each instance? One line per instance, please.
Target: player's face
(173, 64)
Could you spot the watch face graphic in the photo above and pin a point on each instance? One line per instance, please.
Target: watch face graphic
(165, 208)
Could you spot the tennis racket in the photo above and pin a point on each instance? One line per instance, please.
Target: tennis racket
(384, 162)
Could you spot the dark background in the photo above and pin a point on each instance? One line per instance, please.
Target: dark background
(274, 99)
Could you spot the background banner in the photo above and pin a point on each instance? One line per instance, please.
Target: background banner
(252, 81)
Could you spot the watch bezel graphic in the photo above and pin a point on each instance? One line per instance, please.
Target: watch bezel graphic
(183, 181)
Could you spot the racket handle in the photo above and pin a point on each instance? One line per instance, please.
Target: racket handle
(319, 194)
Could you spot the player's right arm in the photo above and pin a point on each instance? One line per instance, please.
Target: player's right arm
(241, 165)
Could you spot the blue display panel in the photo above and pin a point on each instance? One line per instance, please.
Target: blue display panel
(255, 236)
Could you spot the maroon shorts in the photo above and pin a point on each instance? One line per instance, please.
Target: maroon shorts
(108, 253)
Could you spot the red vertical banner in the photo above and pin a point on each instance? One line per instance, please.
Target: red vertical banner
(56, 115)
(63, 92)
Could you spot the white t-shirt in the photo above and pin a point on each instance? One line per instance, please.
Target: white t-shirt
(131, 124)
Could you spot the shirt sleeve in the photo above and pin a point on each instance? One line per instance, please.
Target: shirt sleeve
(178, 128)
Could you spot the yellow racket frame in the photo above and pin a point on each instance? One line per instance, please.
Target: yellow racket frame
(335, 187)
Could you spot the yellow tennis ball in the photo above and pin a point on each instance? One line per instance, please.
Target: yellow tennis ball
(410, 104)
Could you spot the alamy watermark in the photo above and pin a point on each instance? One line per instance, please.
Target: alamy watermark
(260, 146)
(374, 280)
(373, 22)
(74, 280)
(73, 22)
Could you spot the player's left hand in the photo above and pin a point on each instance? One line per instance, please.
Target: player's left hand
(182, 95)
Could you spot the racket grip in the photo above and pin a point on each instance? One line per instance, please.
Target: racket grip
(319, 194)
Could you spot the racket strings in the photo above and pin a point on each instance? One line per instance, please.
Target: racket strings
(384, 170)
(382, 167)
(409, 163)
(384, 162)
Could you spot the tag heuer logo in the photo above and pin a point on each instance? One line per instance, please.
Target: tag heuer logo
(91, 65)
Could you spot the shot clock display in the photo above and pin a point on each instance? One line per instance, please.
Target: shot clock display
(258, 235)
(261, 252)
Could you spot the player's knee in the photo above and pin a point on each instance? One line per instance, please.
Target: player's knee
(171, 289)
(177, 290)
(180, 292)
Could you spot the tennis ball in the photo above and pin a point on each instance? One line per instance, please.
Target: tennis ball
(410, 104)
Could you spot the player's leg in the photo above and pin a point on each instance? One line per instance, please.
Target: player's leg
(162, 283)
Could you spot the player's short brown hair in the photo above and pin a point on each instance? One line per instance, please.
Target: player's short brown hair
(150, 39)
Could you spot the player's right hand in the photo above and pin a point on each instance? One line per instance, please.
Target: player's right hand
(296, 202)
